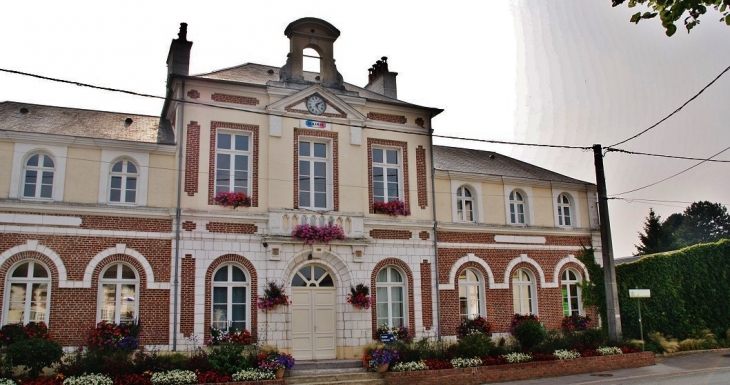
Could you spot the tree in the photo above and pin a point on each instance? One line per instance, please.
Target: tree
(655, 238)
(670, 11)
(703, 222)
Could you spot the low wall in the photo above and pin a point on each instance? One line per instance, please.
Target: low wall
(525, 371)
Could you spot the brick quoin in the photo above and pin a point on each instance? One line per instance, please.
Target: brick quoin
(301, 132)
(235, 99)
(189, 226)
(426, 302)
(404, 153)
(187, 296)
(409, 288)
(231, 228)
(399, 119)
(253, 173)
(421, 177)
(192, 158)
(390, 234)
(246, 265)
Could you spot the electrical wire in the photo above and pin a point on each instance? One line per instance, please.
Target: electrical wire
(663, 155)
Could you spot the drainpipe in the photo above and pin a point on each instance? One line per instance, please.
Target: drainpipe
(176, 279)
(435, 232)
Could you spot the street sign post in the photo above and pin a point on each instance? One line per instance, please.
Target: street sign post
(640, 293)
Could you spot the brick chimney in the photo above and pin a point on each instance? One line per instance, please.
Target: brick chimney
(178, 60)
(381, 80)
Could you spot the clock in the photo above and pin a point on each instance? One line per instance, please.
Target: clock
(316, 105)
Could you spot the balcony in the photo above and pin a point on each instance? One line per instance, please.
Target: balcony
(282, 222)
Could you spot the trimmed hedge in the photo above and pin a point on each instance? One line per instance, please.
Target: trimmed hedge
(690, 291)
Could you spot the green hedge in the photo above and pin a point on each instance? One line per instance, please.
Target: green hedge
(690, 291)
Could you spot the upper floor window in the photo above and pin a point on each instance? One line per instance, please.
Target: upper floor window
(230, 298)
(570, 281)
(471, 294)
(27, 294)
(564, 211)
(232, 163)
(464, 205)
(38, 173)
(387, 180)
(516, 208)
(391, 297)
(315, 184)
(523, 292)
(123, 182)
(118, 291)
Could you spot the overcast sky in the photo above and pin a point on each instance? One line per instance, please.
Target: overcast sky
(552, 72)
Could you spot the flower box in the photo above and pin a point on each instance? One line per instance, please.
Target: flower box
(232, 199)
(392, 208)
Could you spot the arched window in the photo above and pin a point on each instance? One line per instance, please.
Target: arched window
(38, 173)
(391, 294)
(571, 292)
(464, 205)
(118, 292)
(564, 211)
(516, 208)
(27, 293)
(471, 294)
(312, 276)
(523, 292)
(230, 298)
(123, 182)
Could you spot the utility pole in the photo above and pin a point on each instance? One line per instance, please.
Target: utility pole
(613, 313)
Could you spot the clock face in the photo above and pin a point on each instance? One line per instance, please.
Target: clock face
(316, 105)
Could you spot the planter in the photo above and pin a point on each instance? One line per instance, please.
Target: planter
(382, 368)
(279, 373)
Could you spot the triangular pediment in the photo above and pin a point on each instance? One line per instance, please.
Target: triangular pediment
(335, 107)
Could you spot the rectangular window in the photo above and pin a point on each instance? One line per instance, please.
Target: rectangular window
(386, 175)
(232, 163)
(314, 175)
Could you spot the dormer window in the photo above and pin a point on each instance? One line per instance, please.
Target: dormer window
(516, 208)
(464, 204)
(38, 174)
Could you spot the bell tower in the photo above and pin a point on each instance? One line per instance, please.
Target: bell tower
(319, 35)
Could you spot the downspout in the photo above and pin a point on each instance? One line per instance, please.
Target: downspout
(176, 279)
(435, 233)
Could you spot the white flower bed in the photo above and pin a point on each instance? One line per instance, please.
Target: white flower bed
(89, 379)
(608, 350)
(563, 354)
(174, 377)
(466, 362)
(7, 381)
(407, 366)
(252, 375)
(514, 358)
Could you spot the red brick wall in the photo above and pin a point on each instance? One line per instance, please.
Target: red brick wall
(335, 164)
(390, 234)
(254, 172)
(98, 222)
(399, 119)
(192, 158)
(409, 288)
(189, 226)
(225, 98)
(477, 237)
(187, 295)
(424, 235)
(231, 228)
(421, 177)
(426, 301)
(404, 154)
(253, 288)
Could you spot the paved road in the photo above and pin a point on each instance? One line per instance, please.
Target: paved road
(707, 368)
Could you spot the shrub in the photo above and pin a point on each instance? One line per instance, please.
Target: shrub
(108, 336)
(663, 345)
(198, 361)
(472, 345)
(575, 322)
(132, 379)
(590, 339)
(34, 354)
(228, 359)
(530, 333)
(555, 340)
(704, 340)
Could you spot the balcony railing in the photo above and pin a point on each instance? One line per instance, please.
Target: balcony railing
(283, 222)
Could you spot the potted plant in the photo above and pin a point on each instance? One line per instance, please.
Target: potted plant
(392, 208)
(359, 296)
(232, 199)
(382, 358)
(273, 296)
(276, 362)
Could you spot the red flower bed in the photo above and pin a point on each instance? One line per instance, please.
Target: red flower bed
(437, 364)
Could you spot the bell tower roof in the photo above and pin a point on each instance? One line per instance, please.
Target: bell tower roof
(319, 35)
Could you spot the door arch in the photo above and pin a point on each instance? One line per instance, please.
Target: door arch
(313, 313)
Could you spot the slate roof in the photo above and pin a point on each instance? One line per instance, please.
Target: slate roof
(492, 163)
(84, 123)
(253, 73)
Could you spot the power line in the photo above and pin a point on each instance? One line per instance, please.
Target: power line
(675, 111)
(664, 156)
(670, 177)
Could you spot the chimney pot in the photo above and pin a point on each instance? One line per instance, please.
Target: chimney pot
(183, 34)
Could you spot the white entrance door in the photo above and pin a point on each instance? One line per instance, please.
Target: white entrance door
(313, 314)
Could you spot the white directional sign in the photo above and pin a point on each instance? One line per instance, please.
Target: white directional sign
(639, 293)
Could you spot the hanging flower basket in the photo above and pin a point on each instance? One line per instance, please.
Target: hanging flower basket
(273, 296)
(392, 208)
(359, 296)
(232, 199)
(312, 234)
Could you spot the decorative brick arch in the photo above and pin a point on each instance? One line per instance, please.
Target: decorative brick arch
(470, 258)
(409, 286)
(53, 259)
(569, 261)
(142, 265)
(523, 259)
(253, 285)
(7, 263)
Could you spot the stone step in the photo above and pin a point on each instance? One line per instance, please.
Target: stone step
(317, 372)
(326, 377)
(327, 364)
(376, 381)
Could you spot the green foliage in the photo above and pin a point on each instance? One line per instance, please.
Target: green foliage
(530, 333)
(689, 291)
(656, 238)
(670, 11)
(555, 340)
(231, 358)
(472, 345)
(34, 354)
(593, 292)
(703, 222)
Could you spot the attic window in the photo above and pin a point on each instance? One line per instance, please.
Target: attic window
(311, 60)
(128, 122)
(24, 110)
(270, 72)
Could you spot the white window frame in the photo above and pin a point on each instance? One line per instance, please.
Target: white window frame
(520, 288)
(229, 284)
(118, 282)
(566, 284)
(465, 201)
(399, 152)
(476, 190)
(480, 300)
(574, 208)
(232, 152)
(9, 280)
(388, 285)
(125, 176)
(22, 152)
(527, 198)
(40, 171)
(329, 180)
(141, 160)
